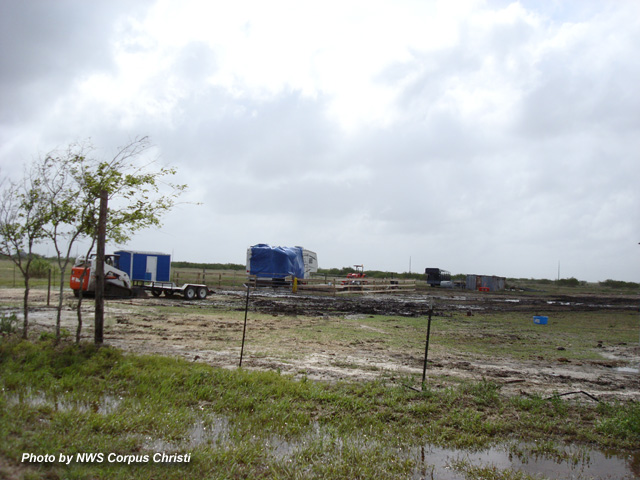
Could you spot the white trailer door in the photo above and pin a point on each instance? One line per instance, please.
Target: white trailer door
(152, 268)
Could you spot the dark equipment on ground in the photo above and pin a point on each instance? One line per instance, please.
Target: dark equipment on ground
(436, 277)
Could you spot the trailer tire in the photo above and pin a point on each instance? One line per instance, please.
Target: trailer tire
(156, 292)
(168, 293)
(190, 293)
(202, 293)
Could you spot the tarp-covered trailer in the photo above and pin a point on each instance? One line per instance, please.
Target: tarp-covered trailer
(274, 264)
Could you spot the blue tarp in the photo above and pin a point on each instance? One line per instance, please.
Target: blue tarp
(276, 262)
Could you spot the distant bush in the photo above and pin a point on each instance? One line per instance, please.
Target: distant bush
(336, 272)
(568, 282)
(344, 271)
(40, 267)
(619, 284)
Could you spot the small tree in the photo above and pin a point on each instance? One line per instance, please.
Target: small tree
(68, 213)
(74, 180)
(22, 216)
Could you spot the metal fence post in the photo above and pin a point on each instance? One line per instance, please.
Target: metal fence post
(244, 329)
(426, 348)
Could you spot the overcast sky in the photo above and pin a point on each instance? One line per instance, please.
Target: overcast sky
(487, 137)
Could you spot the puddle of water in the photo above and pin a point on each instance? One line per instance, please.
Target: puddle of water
(106, 405)
(448, 464)
(577, 464)
(442, 463)
(214, 429)
(430, 461)
(627, 369)
(209, 431)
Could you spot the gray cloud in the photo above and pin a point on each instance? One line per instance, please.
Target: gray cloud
(47, 45)
(504, 151)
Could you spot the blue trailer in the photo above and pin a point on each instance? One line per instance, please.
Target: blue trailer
(152, 271)
(145, 266)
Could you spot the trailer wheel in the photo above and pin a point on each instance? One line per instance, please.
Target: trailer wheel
(202, 293)
(168, 293)
(156, 292)
(190, 293)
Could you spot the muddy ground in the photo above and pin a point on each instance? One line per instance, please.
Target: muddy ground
(211, 331)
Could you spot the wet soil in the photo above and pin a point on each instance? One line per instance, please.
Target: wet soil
(291, 336)
(417, 305)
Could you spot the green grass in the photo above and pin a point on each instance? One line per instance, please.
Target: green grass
(571, 335)
(79, 398)
(574, 336)
(240, 424)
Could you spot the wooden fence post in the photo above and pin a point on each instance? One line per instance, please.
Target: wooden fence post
(99, 292)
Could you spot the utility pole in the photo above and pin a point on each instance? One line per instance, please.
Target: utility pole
(102, 233)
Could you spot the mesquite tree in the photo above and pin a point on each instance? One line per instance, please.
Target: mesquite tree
(138, 193)
(22, 216)
(67, 186)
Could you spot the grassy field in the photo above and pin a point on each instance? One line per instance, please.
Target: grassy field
(75, 400)
(507, 335)
(11, 277)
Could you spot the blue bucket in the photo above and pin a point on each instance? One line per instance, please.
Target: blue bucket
(540, 320)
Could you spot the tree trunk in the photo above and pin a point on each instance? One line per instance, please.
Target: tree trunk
(25, 324)
(79, 310)
(85, 272)
(102, 228)
(59, 308)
